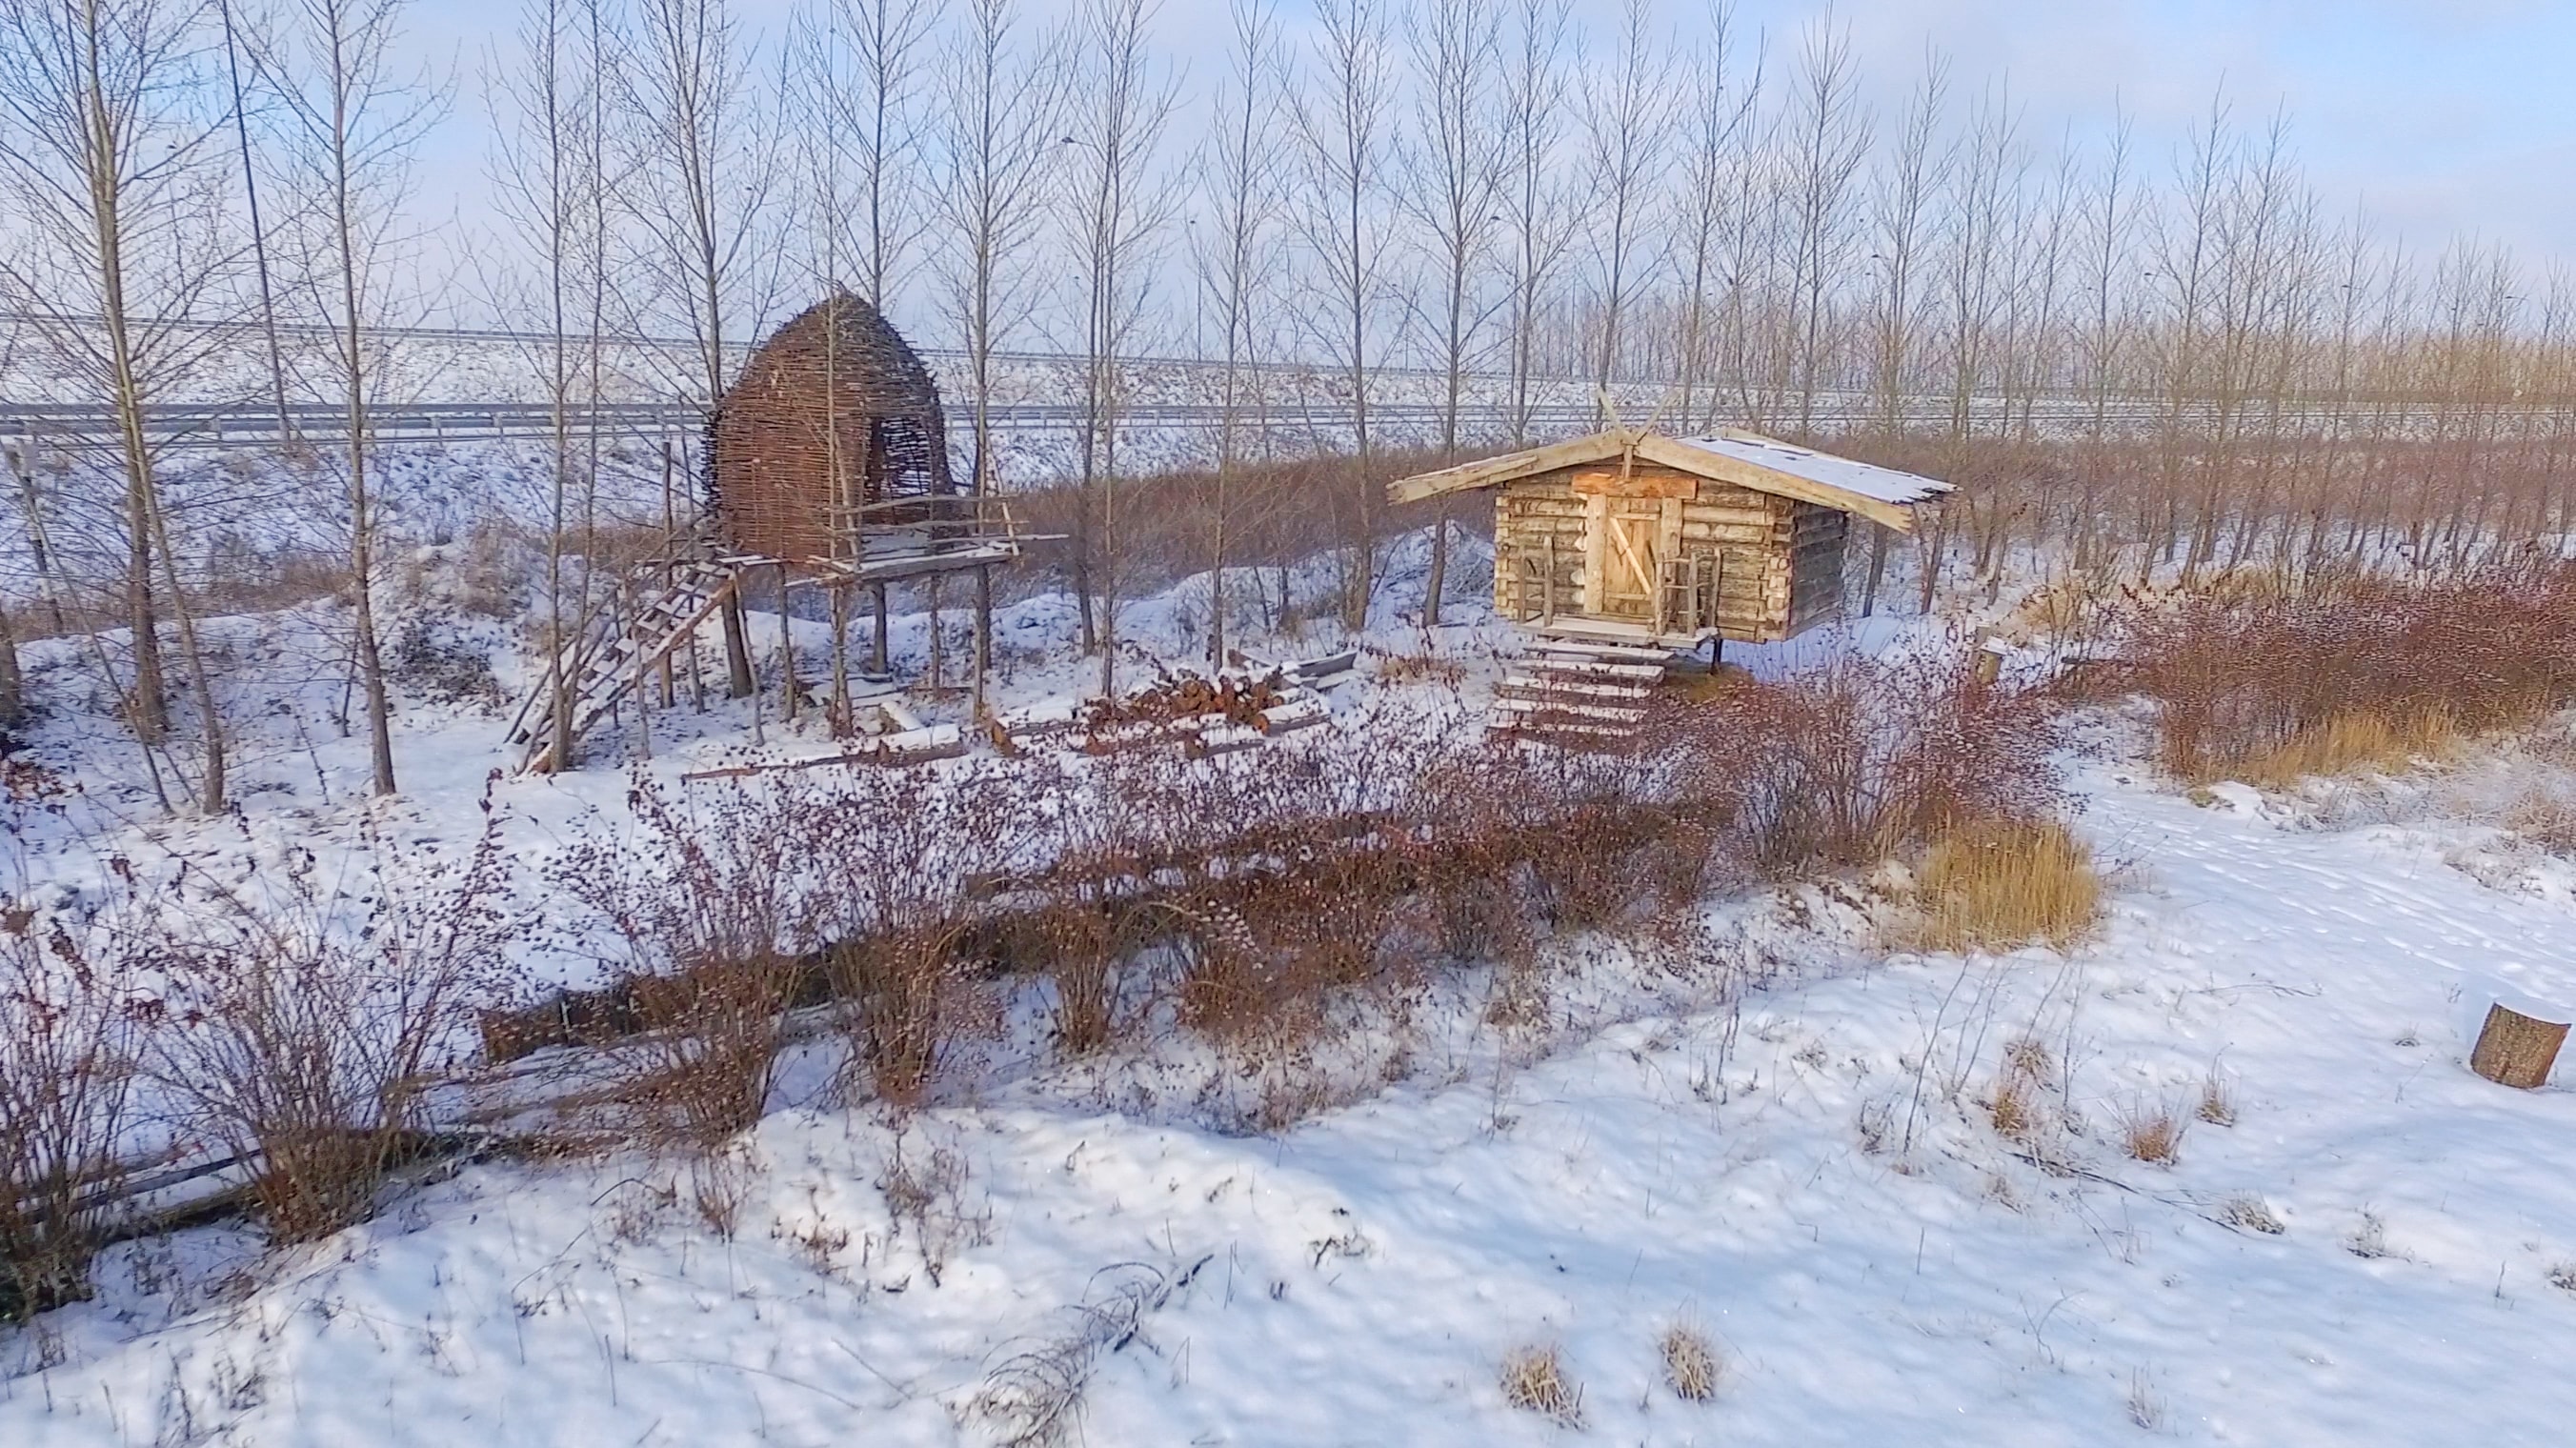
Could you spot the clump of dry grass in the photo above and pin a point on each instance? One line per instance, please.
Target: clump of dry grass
(2217, 1101)
(2344, 743)
(1998, 883)
(1534, 1380)
(1692, 1367)
(2151, 1132)
(2253, 1214)
(2010, 1107)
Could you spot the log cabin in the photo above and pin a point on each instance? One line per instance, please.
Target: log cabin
(1635, 538)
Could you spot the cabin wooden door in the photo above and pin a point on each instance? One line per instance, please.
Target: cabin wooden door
(1632, 529)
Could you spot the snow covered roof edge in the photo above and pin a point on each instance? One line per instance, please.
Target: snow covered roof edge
(1885, 485)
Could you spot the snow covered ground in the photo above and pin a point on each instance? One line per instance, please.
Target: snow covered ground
(1776, 1133)
(2365, 1254)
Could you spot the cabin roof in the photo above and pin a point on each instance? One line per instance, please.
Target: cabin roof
(1745, 459)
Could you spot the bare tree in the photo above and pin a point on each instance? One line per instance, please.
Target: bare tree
(106, 150)
(1828, 138)
(887, 44)
(1344, 122)
(1720, 129)
(1122, 105)
(359, 116)
(1243, 179)
(702, 174)
(2103, 260)
(1627, 122)
(1002, 95)
(250, 198)
(1534, 89)
(547, 187)
(1899, 206)
(1458, 159)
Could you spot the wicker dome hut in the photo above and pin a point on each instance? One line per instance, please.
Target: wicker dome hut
(833, 419)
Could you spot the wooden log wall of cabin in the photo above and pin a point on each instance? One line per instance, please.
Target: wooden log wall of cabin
(1538, 526)
(1748, 542)
(1816, 550)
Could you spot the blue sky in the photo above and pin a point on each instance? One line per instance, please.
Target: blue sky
(2442, 119)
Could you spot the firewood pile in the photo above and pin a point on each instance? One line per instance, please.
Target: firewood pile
(1203, 715)
(1186, 695)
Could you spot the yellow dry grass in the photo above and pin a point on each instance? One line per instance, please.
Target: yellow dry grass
(1534, 1380)
(1692, 1368)
(1998, 883)
(2365, 739)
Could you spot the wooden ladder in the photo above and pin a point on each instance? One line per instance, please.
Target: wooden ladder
(604, 673)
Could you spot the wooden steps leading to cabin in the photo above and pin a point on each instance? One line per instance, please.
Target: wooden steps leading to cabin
(606, 671)
(1581, 693)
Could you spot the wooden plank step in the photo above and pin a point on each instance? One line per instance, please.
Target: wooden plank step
(1543, 688)
(1595, 669)
(1604, 653)
(1514, 724)
(1604, 713)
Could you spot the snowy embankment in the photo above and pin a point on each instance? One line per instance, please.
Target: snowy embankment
(1807, 1175)
(1769, 1132)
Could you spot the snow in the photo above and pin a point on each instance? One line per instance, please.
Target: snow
(1885, 485)
(1771, 1131)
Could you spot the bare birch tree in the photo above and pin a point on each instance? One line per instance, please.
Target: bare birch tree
(359, 114)
(106, 150)
(1542, 225)
(1243, 177)
(703, 171)
(1344, 119)
(1899, 216)
(887, 42)
(1720, 125)
(1123, 102)
(548, 189)
(1456, 179)
(1828, 137)
(1627, 122)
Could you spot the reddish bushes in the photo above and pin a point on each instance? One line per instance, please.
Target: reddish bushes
(2272, 683)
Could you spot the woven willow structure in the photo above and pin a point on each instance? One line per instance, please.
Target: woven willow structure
(833, 419)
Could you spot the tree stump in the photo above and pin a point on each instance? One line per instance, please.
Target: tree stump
(2515, 1049)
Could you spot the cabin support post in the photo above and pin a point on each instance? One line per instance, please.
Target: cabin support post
(938, 647)
(786, 647)
(877, 600)
(983, 634)
(737, 632)
(840, 659)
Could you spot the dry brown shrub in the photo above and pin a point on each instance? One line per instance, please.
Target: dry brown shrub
(67, 1051)
(1079, 941)
(1692, 1367)
(906, 994)
(1846, 763)
(304, 1025)
(2351, 669)
(706, 916)
(1990, 884)
(1534, 1380)
(2547, 819)
(2151, 1132)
